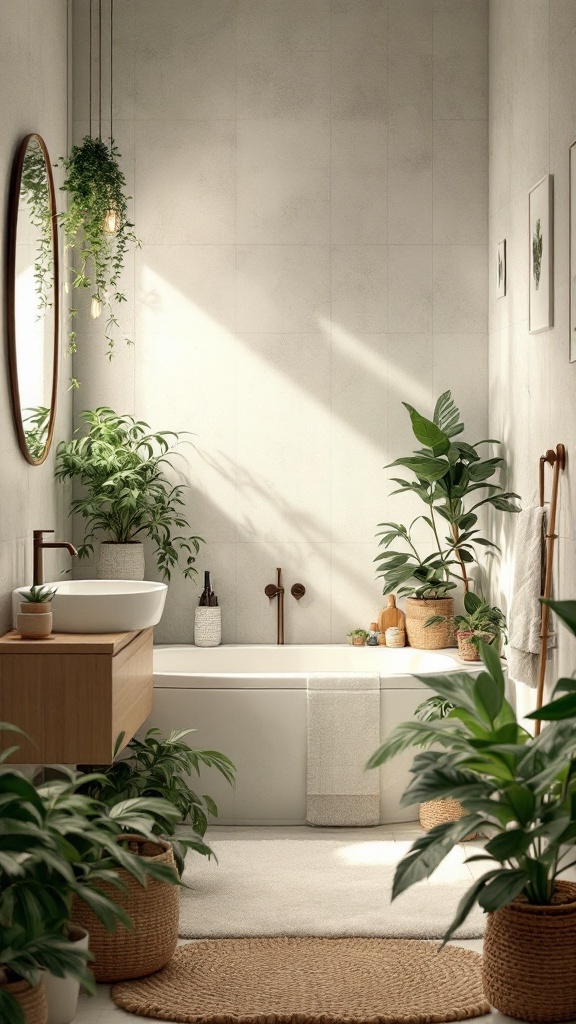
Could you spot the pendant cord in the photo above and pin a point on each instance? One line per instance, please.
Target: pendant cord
(100, 69)
(111, 70)
(90, 73)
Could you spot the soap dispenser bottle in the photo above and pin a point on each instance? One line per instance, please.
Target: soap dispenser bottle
(207, 620)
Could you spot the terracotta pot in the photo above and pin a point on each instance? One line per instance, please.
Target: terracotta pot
(154, 911)
(358, 641)
(32, 1001)
(121, 561)
(34, 620)
(529, 961)
(429, 638)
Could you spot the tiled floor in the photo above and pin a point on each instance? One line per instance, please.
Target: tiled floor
(101, 1010)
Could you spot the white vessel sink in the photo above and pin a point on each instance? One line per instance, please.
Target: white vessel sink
(103, 606)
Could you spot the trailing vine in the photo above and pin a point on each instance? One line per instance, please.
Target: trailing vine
(34, 190)
(96, 189)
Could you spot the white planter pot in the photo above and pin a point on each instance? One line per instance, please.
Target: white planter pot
(62, 993)
(121, 561)
(34, 620)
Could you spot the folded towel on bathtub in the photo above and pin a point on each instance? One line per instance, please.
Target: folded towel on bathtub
(343, 732)
(523, 651)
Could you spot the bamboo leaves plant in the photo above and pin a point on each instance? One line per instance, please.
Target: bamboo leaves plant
(452, 479)
(519, 789)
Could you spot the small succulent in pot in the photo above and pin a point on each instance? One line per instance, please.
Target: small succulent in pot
(358, 637)
(482, 622)
(34, 619)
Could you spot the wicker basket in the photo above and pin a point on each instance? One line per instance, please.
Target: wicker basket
(154, 912)
(466, 649)
(436, 812)
(31, 1000)
(429, 638)
(529, 962)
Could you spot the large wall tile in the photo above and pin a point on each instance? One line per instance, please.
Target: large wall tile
(274, 28)
(410, 27)
(359, 288)
(282, 288)
(460, 283)
(295, 86)
(356, 593)
(451, 353)
(359, 200)
(359, 26)
(197, 203)
(283, 176)
(359, 87)
(460, 59)
(460, 182)
(198, 38)
(410, 288)
(283, 472)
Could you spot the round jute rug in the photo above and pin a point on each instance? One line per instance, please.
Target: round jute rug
(310, 981)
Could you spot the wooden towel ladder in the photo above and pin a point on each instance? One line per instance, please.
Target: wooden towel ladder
(557, 459)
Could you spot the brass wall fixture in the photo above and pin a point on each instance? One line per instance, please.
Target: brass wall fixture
(276, 590)
(556, 459)
(297, 590)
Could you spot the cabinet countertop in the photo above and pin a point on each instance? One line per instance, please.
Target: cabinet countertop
(68, 643)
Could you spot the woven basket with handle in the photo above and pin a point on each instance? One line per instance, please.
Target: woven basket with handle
(529, 962)
(436, 812)
(32, 1001)
(154, 912)
(430, 638)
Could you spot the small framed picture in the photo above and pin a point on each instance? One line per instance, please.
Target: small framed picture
(572, 180)
(501, 269)
(540, 214)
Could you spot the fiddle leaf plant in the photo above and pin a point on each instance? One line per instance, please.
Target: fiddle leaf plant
(120, 464)
(446, 473)
(517, 788)
(97, 230)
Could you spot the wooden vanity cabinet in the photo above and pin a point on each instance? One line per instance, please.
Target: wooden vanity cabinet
(74, 693)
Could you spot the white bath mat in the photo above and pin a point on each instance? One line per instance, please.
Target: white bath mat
(326, 887)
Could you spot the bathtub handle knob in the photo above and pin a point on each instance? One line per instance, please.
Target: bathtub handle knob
(298, 590)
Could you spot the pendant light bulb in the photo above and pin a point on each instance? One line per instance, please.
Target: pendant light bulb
(96, 308)
(111, 222)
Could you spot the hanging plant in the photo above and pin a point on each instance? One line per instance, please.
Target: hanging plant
(97, 230)
(35, 192)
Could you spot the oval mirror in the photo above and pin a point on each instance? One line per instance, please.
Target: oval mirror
(33, 299)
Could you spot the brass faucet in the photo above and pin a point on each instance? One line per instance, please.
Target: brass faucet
(277, 590)
(39, 544)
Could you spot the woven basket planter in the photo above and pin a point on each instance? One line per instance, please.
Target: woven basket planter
(121, 561)
(529, 962)
(436, 812)
(466, 649)
(154, 912)
(31, 1000)
(429, 638)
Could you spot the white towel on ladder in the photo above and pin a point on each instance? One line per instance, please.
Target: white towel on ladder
(523, 651)
(343, 732)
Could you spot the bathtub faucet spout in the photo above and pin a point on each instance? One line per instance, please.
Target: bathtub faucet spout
(276, 590)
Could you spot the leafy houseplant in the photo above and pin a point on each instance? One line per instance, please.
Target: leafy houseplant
(483, 622)
(433, 812)
(126, 495)
(36, 422)
(160, 766)
(96, 225)
(358, 637)
(522, 789)
(35, 192)
(55, 845)
(447, 472)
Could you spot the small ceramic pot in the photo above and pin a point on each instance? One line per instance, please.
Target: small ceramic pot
(395, 637)
(121, 561)
(34, 620)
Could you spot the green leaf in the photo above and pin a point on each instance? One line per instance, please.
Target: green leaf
(521, 800)
(426, 468)
(508, 845)
(566, 611)
(503, 889)
(556, 710)
(446, 415)
(428, 433)
(489, 696)
(429, 851)
(469, 899)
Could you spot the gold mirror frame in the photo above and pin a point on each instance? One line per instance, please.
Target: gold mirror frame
(14, 202)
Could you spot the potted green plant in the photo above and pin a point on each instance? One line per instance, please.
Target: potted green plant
(447, 475)
(522, 790)
(482, 622)
(161, 766)
(126, 495)
(57, 846)
(358, 637)
(34, 617)
(433, 812)
(97, 230)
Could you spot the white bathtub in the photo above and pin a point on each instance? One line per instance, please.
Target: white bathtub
(250, 703)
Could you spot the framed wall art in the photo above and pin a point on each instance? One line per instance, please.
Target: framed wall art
(501, 269)
(540, 240)
(572, 179)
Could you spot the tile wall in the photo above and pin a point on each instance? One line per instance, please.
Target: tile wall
(311, 188)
